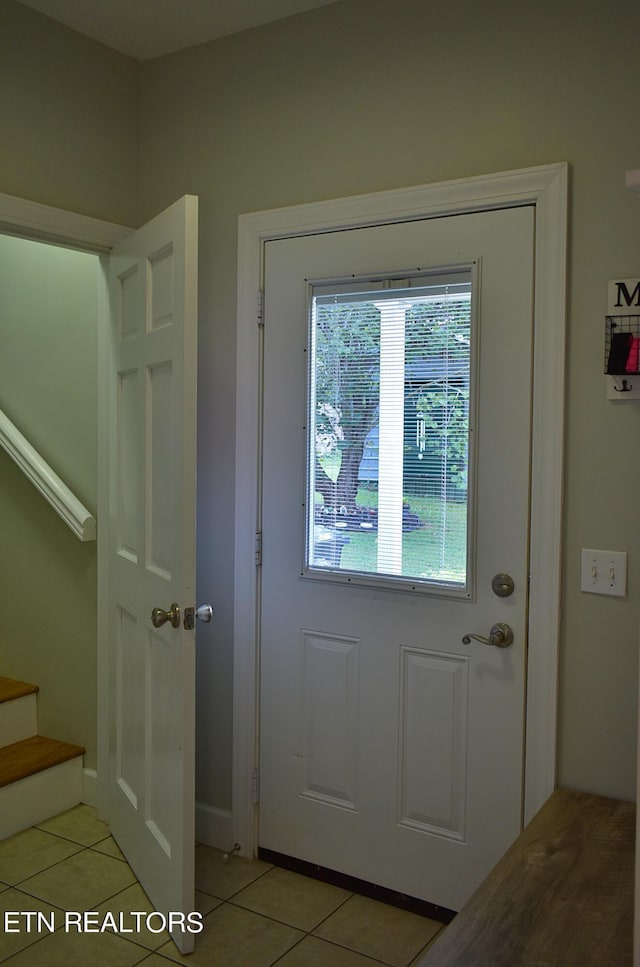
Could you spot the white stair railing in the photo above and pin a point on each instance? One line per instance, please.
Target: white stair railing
(64, 502)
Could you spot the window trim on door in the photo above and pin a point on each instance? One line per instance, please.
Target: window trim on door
(545, 187)
(391, 287)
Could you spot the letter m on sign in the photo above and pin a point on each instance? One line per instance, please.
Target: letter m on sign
(624, 297)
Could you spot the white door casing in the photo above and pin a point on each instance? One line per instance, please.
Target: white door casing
(151, 484)
(390, 750)
(546, 189)
(44, 223)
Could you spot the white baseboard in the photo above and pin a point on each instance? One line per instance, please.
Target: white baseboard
(90, 787)
(214, 826)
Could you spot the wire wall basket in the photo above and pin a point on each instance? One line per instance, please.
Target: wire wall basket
(622, 345)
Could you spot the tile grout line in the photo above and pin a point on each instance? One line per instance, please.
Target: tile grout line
(68, 839)
(231, 900)
(311, 932)
(149, 951)
(82, 848)
(372, 960)
(284, 923)
(305, 933)
(44, 869)
(20, 884)
(429, 943)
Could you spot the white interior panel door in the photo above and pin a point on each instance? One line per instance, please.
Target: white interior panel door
(152, 483)
(391, 750)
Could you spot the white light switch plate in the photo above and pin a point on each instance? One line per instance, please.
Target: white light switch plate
(604, 572)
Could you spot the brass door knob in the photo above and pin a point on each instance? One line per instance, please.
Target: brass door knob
(160, 617)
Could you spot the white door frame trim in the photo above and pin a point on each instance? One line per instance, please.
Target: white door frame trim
(44, 223)
(546, 187)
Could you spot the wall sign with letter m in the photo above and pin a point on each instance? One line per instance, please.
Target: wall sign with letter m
(624, 297)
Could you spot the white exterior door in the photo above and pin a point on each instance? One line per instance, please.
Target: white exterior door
(151, 556)
(390, 750)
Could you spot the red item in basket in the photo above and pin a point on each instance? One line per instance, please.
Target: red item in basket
(633, 359)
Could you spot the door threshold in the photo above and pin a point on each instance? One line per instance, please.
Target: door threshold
(354, 885)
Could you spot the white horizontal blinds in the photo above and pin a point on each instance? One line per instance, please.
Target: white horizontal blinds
(389, 417)
(436, 467)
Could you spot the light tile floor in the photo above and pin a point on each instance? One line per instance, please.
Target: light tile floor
(255, 914)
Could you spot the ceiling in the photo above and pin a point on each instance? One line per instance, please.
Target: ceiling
(151, 28)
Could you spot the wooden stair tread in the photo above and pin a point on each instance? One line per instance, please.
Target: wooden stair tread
(10, 689)
(22, 759)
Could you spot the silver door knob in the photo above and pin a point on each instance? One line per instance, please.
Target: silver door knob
(500, 636)
(159, 617)
(203, 613)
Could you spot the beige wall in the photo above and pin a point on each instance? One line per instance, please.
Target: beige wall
(69, 118)
(366, 95)
(361, 96)
(48, 320)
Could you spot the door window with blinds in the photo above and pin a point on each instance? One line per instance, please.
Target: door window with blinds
(389, 454)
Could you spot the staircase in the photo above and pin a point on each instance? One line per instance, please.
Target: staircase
(39, 777)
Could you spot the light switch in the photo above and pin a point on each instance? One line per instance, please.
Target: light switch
(604, 572)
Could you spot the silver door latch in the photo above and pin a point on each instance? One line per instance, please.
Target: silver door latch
(203, 613)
